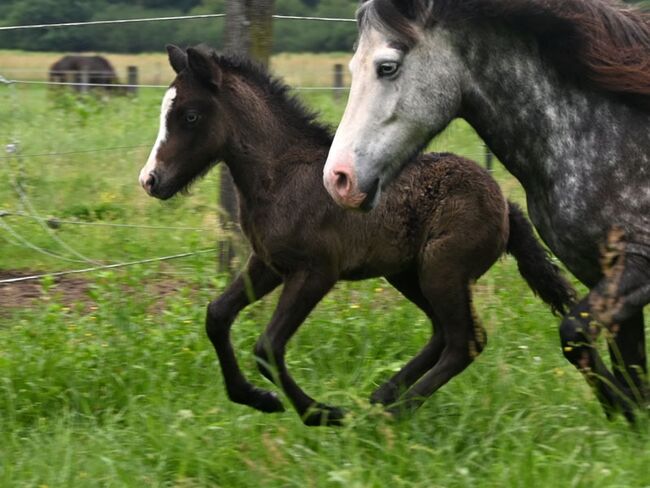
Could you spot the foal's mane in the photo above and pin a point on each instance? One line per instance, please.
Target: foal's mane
(602, 42)
(277, 94)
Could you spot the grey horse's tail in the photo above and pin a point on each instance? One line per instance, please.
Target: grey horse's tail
(535, 265)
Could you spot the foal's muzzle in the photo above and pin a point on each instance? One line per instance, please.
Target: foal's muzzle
(153, 185)
(150, 183)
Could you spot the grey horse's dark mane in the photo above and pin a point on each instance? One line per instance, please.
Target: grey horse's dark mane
(603, 42)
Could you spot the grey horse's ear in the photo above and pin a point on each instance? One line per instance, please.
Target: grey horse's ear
(204, 67)
(416, 10)
(177, 58)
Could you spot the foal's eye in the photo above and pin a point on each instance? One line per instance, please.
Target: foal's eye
(388, 69)
(191, 117)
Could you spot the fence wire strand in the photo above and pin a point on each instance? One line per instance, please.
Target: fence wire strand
(62, 221)
(160, 19)
(122, 85)
(103, 267)
(34, 247)
(67, 153)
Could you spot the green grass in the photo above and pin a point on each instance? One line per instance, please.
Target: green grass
(123, 388)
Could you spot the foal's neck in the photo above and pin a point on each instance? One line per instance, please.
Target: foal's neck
(270, 136)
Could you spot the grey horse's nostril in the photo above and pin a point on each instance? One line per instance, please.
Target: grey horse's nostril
(342, 182)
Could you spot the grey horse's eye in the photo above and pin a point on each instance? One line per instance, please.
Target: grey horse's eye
(191, 117)
(388, 69)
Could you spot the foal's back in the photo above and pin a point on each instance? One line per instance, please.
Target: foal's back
(442, 203)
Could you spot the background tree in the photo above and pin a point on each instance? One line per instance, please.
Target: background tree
(249, 33)
(289, 36)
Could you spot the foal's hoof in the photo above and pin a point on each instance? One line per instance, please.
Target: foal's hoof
(320, 414)
(402, 409)
(262, 400)
(267, 402)
(386, 394)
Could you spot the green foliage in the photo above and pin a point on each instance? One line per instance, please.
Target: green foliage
(295, 36)
(289, 35)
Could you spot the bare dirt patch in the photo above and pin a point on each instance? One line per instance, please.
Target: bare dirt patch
(22, 294)
(69, 290)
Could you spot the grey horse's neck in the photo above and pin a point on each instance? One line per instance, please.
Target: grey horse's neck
(581, 155)
(536, 122)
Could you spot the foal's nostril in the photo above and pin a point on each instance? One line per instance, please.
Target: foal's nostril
(151, 181)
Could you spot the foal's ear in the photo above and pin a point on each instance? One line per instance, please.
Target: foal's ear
(177, 58)
(204, 67)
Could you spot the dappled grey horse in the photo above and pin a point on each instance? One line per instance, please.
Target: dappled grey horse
(560, 91)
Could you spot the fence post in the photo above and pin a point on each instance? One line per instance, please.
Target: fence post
(338, 81)
(249, 32)
(84, 79)
(132, 79)
(489, 158)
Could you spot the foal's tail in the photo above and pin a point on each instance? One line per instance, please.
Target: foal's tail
(535, 265)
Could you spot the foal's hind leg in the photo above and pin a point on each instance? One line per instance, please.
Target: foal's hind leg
(408, 284)
(464, 339)
(251, 285)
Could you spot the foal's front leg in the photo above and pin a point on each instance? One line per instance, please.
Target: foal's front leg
(251, 285)
(301, 292)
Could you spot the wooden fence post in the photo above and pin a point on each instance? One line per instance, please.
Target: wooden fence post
(248, 32)
(489, 158)
(132, 79)
(84, 79)
(338, 81)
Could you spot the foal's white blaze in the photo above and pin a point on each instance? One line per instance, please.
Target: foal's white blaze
(152, 162)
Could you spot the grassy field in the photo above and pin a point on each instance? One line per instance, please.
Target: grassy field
(116, 384)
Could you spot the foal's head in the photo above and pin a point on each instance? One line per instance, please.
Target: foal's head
(193, 128)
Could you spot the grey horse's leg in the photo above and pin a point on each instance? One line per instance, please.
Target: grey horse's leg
(578, 333)
(623, 316)
(615, 303)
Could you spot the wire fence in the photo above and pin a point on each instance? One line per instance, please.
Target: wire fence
(8, 80)
(49, 224)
